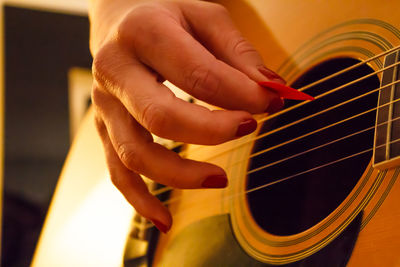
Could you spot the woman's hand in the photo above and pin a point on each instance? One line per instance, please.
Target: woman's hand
(136, 45)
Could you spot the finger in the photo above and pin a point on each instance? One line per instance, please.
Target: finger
(132, 186)
(155, 107)
(212, 25)
(170, 50)
(138, 152)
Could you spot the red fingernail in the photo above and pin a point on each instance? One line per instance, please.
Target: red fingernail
(246, 127)
(271, 75)
(160, 226)
(215, 181)
(286, 92)
(275, 105)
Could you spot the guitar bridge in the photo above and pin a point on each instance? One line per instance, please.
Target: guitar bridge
(386, 151)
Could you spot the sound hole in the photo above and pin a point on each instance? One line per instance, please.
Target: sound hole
(322, 168)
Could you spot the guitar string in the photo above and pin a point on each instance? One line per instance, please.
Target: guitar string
(284, 111)
(333, 75)
(321, 81)
(168, 188)
(230, 196)
(331, 91)
(349, 68)
(162, 190)
(297, 174)
(320, 96)
(198, 149)
(314, 132)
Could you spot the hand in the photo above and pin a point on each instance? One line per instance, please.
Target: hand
(195, 46)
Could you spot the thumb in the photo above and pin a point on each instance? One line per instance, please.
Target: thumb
(213, 27)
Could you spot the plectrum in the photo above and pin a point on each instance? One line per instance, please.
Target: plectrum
(286, 92)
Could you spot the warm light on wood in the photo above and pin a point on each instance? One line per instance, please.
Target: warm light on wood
(88, 220)
(79, 88)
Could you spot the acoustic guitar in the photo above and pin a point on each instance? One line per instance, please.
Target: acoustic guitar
(317, 183)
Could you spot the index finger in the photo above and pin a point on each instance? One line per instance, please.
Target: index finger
(166, 47)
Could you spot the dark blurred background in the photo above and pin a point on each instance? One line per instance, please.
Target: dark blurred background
(40, 48)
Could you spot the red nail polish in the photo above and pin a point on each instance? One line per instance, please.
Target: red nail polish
(275, 105)
(246, 127)
(215, 181)
(271, 75)
(286, 92)
(160, 226)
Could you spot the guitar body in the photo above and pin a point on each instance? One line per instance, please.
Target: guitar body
(306, 195)
(302, 189)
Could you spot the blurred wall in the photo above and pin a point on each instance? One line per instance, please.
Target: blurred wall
(43, 40)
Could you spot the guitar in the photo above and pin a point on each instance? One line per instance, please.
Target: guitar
(316, 184)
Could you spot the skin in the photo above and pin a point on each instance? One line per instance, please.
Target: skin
(136, 45)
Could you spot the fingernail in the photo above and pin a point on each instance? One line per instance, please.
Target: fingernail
(160, 226)
(271, 75)
(275, 105)
(286, 92)
(246, 127)
(215, 181)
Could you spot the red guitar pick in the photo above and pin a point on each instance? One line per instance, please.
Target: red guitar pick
(286, 92)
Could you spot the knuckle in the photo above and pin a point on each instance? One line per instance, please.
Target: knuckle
(217, 9)
(176, 181)
(98, 122)
(116, 175)
(127, 28)
(203, 83)
(240, 46)
(154, 118)
(175, 178)
(108, 68)
(137, 23)
(216, 134)
(115, 178)
(130, 157)
(101, 130)
(97, 96)
(101, 63)
(101, 100)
